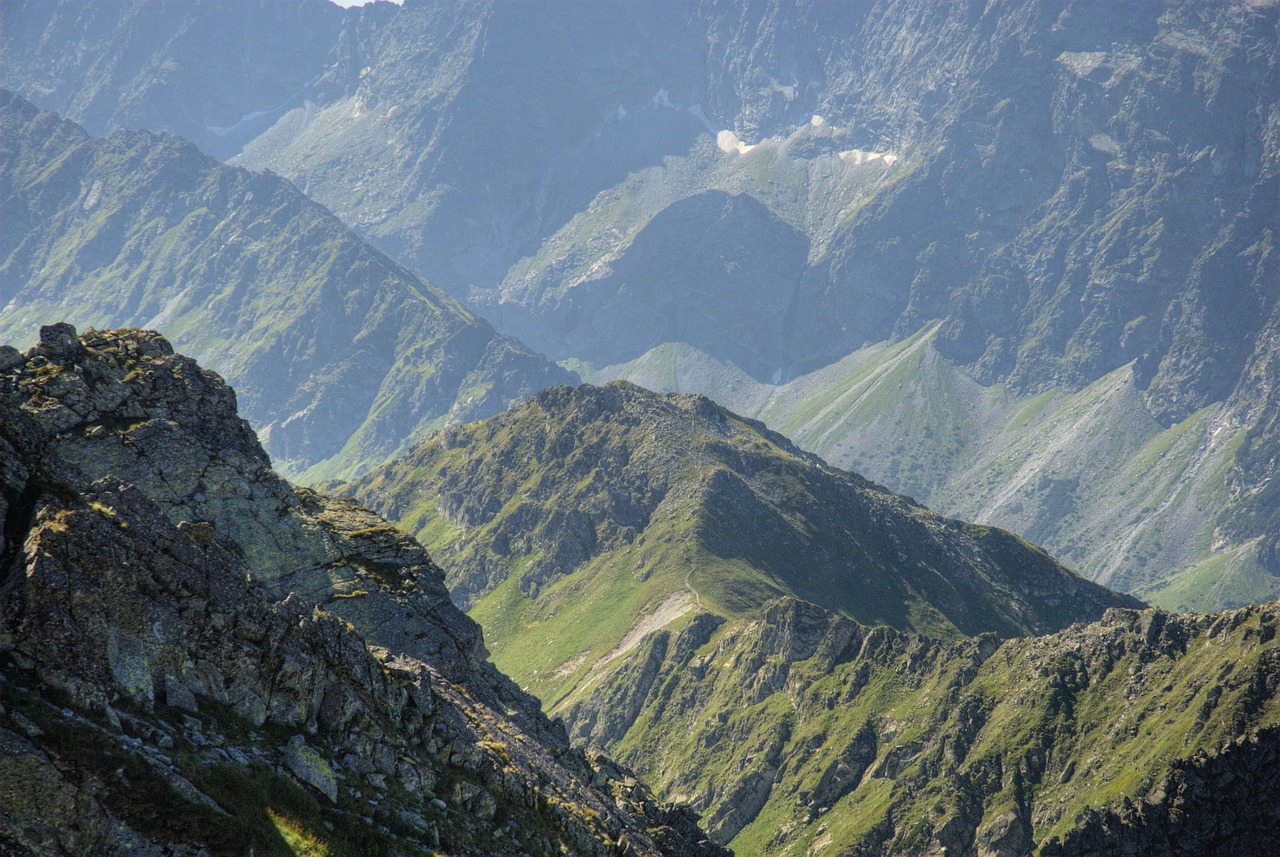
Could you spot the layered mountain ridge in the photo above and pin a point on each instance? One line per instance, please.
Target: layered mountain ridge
(716, 607)
(339, 354)
(198, 655)
(1055, 191)
(578, 478)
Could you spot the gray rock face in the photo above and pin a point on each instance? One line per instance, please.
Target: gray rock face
(177, 622)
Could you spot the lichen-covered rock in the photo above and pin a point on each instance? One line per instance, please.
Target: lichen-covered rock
(178, 673)
(309, 766)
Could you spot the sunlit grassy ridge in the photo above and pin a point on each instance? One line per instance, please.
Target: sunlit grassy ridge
(1090, 474)
(818, 735)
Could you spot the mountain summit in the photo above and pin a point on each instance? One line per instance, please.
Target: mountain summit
(670, 506)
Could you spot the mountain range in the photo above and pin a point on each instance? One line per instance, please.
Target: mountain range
(339, 354)
(1011, 260)
(197, 653)
(1073, 200)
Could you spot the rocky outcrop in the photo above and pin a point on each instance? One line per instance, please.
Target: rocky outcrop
(1215, 802)
(196, 655)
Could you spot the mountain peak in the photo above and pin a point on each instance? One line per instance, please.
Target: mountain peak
(578, 478)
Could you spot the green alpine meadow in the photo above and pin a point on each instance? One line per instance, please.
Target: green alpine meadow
(565, 428)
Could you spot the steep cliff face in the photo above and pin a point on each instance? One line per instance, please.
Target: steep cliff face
(218, 73)
(339, 354)
(197, 654)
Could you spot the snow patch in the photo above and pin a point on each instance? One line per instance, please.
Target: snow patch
(858, 157)
(730, 144)
(1105, 143)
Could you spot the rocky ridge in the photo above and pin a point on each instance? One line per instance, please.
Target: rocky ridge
(803, 732)
(197, 655)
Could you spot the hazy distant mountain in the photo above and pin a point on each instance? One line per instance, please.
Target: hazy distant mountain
(217, 72)
(340, 355)
(1070, 188)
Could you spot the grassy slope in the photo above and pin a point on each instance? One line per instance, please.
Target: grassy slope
(1090, 475)
(575, 524)
(930, 735)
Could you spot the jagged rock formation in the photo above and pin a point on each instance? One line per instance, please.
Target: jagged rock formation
(339, 354)
(196, 655)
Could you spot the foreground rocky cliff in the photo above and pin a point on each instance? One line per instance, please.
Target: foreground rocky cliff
(196, 657)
